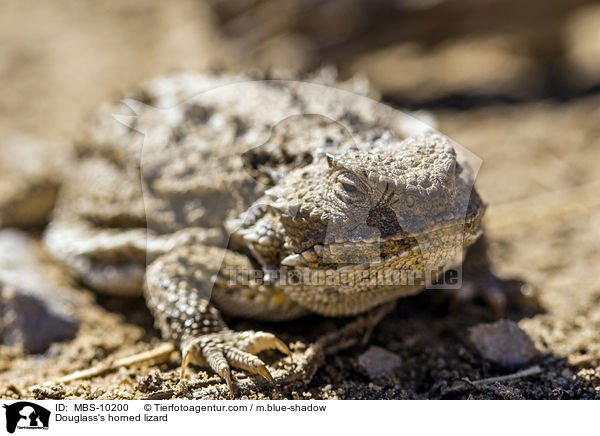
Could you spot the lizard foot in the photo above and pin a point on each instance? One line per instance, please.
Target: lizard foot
(497, 295)
(481, 284)
(223, 350)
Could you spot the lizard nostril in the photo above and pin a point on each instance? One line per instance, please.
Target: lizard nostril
(384, 219)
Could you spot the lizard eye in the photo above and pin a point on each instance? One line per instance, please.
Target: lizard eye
(348, 187)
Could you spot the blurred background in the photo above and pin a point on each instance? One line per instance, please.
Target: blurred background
(60, 59)
(517, 83)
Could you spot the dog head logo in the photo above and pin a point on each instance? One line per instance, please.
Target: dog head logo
(26, 415)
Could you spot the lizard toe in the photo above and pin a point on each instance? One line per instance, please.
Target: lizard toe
(223, 350)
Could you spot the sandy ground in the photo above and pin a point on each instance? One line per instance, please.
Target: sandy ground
(540, 176)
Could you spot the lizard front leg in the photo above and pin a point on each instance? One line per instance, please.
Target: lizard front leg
(180, 290)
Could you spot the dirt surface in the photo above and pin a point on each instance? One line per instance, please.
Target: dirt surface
(540, 176)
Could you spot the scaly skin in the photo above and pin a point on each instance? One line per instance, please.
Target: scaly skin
(257, 210)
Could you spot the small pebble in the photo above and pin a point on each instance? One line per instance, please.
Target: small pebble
(379, 362)
(504, 343)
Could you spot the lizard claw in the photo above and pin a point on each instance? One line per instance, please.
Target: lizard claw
(221, 350)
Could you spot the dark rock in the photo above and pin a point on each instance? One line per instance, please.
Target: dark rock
(35, 307)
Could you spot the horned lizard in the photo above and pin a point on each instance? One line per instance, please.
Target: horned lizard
(265, 199)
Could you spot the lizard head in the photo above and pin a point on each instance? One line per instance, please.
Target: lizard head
(377, 201)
